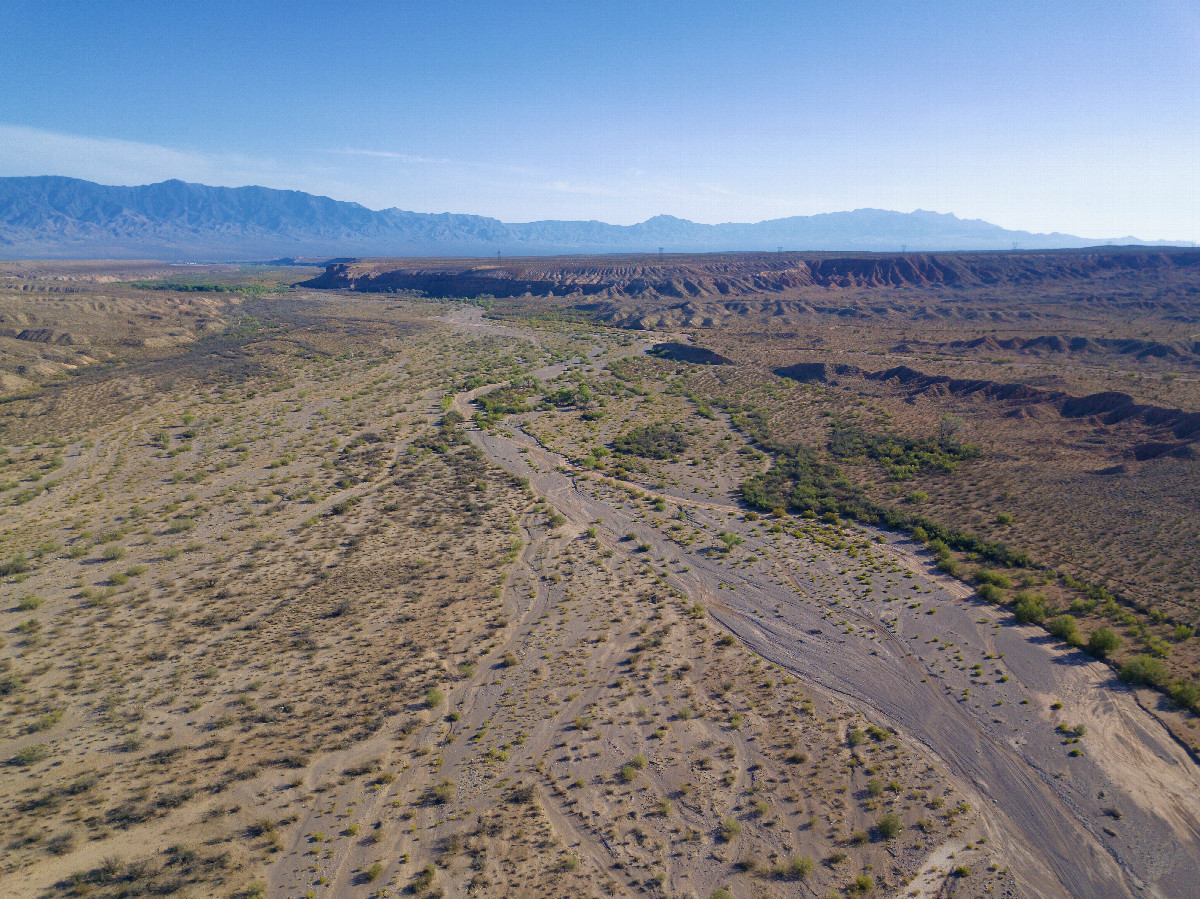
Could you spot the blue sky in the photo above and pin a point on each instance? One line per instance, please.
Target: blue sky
(1081, 117)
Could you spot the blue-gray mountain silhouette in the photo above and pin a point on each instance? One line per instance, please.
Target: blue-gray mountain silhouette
(56, 217)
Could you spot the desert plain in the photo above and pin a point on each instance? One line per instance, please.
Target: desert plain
(702, 576)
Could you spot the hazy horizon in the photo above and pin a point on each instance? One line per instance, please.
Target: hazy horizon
(1067, 119)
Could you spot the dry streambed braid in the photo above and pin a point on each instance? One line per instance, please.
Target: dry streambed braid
(378, 621)
(554, 434)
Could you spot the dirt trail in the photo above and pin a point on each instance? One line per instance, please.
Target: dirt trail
(1051, 823)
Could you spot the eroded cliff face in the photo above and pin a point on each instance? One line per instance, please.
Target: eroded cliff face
(752, 274)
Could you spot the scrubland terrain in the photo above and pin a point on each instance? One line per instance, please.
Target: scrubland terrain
(326, 594)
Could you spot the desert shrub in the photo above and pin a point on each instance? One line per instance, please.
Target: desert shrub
(1030, 608)
(509, 399)
(18, 564)
(730, 541)
(30, 755)
(890, 826)
(993, 577)
(433, 698)
(1065, 627)
(1144, 670)
(1186, 693)
(522, 794)
(423, 881)
(442, 792)
(1103, 642)
(657, 441)
(729, 830)
(795, 868)
(991, 593)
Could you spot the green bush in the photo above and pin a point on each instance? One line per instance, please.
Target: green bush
(993, 577)
(890, 826)
(18, 564)
(442, 793)
(1187, 694)
(1065, 627)
(1103, 642)
(657, 441)
(991, 593)
(1030, 608)
(1144, 670)
(863, 883)
(795, 868)
(30, 754)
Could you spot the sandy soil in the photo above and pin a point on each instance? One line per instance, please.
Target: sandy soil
(1046, 809)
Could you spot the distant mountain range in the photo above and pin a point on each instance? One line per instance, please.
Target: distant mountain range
(54, 217)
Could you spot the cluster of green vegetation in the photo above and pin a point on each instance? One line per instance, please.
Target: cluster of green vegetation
(444, 436)
(507, 400)
(483, 301)
(656, 441)
(570, 396)
(204, 287)
(901, 457)
(799, 481)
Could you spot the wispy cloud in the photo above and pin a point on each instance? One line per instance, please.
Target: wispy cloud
(32, 151)
(389, 154)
